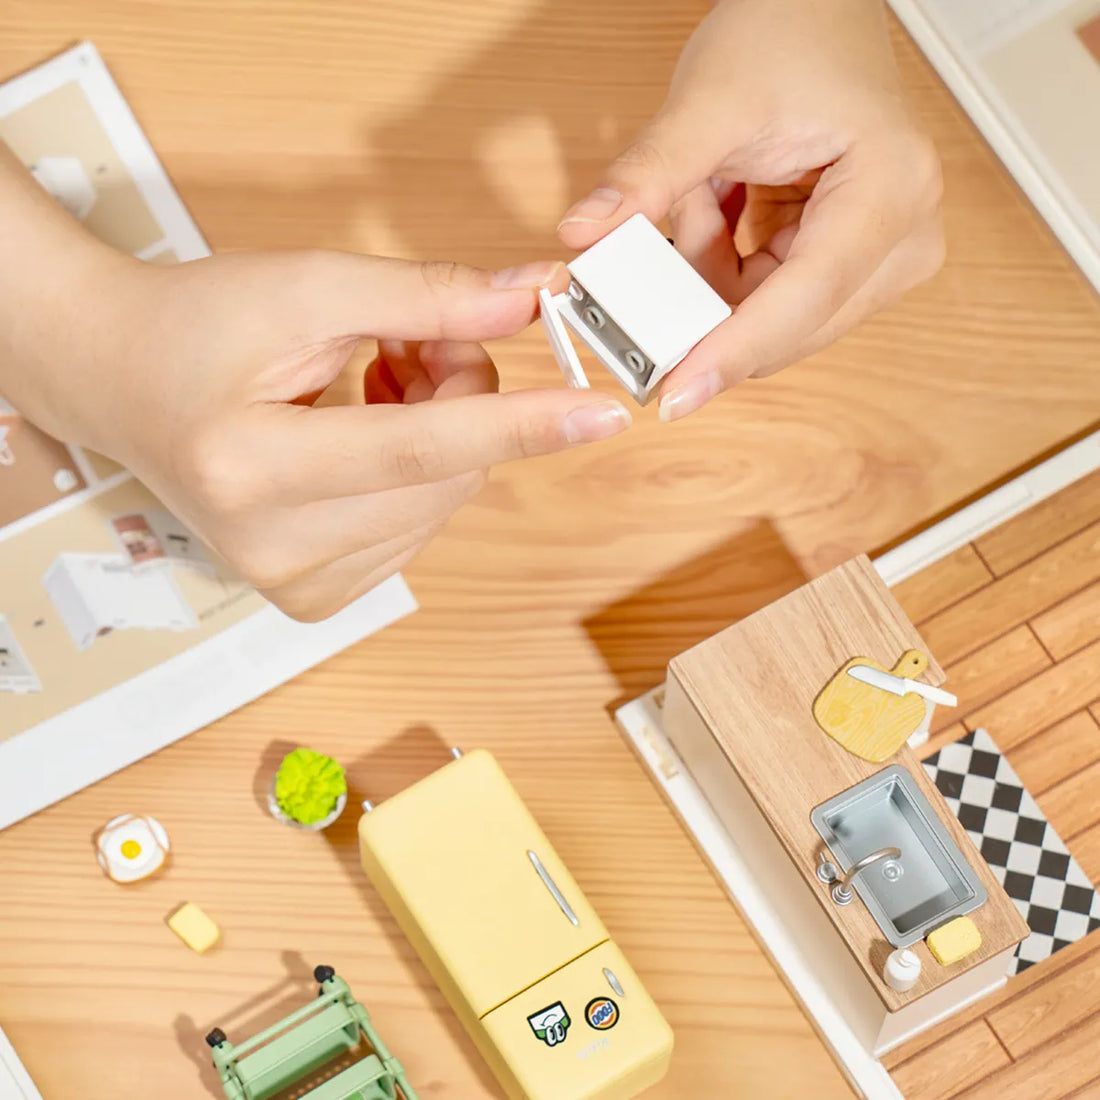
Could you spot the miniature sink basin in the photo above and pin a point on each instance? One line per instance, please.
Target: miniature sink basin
(929, 884)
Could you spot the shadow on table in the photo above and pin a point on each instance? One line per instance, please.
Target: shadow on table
(296, 988)
(521, 108)
(639, 634)
(451, 172)
(378, 775)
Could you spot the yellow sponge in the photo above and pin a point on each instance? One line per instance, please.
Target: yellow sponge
(954, 940)
(194, 927)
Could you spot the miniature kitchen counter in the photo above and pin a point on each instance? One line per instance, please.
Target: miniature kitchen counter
(738, 710)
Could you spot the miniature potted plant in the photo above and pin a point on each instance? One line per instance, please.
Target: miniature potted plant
(309, 790)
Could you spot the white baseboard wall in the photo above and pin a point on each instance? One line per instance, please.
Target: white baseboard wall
(991, 510)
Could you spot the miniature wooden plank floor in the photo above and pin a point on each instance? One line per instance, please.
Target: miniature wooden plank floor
(1014, 617)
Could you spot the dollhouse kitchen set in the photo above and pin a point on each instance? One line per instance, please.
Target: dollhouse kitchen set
(797, 782)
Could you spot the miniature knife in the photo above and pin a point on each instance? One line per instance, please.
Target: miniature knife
(899, 685)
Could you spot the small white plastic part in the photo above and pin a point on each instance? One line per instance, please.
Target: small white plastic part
(315, 826)
(900, 685)
(638, 305)
(920, 735)
(902, 970)
(560, 343)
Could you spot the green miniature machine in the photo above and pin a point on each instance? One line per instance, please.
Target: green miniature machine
(297, 1048)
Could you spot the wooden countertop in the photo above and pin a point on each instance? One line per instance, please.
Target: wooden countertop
(754, 685)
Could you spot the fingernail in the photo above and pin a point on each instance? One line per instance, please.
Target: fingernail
(592, 422)
(689, 397)
(601, 204)
(526, 276)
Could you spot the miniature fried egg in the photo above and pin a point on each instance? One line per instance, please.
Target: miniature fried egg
(131, 847)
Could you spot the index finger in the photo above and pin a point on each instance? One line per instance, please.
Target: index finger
(336, 294)
(313, 454)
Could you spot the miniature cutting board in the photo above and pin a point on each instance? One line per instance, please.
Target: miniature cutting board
(869, 722)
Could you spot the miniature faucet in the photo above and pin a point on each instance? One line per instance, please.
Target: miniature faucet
(842, 890)
(826, 869)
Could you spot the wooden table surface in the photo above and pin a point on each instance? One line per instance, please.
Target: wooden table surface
(447, 129)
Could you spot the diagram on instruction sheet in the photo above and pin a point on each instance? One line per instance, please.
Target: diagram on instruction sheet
(98, 581)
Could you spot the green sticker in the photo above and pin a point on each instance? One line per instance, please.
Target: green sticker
(550, 1024)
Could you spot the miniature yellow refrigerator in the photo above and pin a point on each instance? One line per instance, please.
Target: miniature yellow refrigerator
(551, 1003)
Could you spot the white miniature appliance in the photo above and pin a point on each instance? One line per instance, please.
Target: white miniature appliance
(637, 303)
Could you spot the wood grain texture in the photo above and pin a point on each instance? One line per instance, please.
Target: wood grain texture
(754, 687)
(1045, 699)
(943, 1071)
(1073, 623)
(942, 737)
(1013, 599)
(1035, 531)
(942, 583)
(989, 672)
(1058, 964)
(1056, 753)
(1085, 848)
(1075, 802)
(1050, 1072)
(1049, 1009)
(445, 129)
(869, 722)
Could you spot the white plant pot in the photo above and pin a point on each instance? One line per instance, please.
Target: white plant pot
(317, 826)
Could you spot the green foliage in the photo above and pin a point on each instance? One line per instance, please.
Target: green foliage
(308, 786)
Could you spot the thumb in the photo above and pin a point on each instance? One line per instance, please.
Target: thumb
(668, 159)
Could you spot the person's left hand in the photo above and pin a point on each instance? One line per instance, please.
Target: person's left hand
(798, 182)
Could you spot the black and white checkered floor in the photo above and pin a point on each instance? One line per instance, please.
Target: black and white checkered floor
(1020, 845)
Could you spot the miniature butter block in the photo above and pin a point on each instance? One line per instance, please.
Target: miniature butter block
(954, 940)
(194, 927)
(131, 847)
(638, 305)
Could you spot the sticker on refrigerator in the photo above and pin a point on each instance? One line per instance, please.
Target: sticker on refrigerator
(602, 1014)
(550, 1024)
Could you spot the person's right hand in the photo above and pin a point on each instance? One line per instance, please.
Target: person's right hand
(200, 378)
(798, 181)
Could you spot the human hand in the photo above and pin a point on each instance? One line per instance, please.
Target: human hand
(201, 377)
(797, 180)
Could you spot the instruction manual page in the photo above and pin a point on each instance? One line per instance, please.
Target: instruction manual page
(119, 633)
